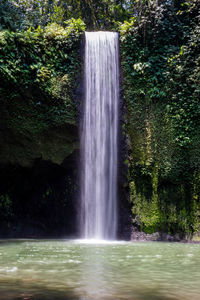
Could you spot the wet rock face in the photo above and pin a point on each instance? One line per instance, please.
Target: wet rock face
(33, 127)
(22, 149)
(137, 235)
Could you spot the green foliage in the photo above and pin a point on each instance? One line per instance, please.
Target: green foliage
(160, 62)
(102, 14)
(45, 62)
(56, 31)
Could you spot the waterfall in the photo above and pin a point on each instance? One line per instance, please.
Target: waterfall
(99, 133)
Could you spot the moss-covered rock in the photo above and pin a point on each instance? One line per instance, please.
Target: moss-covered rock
(160, 66)
(39, 71)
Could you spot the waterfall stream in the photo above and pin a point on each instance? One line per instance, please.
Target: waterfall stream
(99, 133)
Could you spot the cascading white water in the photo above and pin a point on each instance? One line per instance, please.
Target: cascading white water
(99, 136)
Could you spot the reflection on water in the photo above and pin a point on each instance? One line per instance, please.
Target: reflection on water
(66, 270)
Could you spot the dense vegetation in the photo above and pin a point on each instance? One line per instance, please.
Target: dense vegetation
(40, 62)
(160, 60)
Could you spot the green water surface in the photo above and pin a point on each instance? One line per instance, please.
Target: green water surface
(63, 270)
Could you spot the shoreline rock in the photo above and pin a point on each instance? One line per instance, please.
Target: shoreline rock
(140, 236)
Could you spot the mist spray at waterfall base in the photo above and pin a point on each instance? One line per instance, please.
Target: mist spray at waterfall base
(99, 131)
